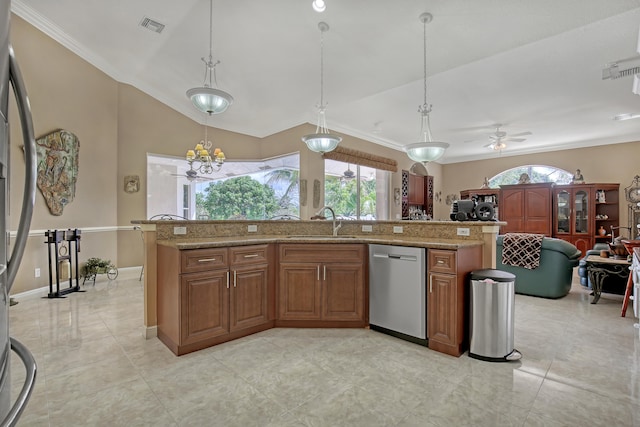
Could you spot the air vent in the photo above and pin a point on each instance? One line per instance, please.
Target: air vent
(151, 25)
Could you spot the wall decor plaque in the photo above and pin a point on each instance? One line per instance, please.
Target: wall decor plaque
(131, 184)
(57, 154)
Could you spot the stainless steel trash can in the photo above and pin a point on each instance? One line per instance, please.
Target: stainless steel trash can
(491, 316)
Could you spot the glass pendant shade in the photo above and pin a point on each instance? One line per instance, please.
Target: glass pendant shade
(322, 141)
(210, 100)
(206, 98)
(426, 151)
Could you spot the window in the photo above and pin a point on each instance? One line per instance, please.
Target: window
(356, 192)
(258, 189)
(536, 173)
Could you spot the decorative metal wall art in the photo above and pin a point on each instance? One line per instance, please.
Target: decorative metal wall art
(58, 154)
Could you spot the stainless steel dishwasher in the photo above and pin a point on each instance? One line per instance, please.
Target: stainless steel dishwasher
(397, 292)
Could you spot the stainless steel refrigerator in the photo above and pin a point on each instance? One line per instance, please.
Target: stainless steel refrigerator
(11, 252)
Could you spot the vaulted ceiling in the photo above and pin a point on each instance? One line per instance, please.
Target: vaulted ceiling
(533, 66)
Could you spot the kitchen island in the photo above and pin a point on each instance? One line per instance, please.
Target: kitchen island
(246, 269)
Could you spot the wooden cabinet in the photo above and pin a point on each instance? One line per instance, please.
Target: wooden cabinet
(448, 297)
(208, 296)
(579, 210)
(322, 285)
(526, 208)
(416, 189)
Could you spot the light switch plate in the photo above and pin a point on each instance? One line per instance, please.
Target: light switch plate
(367, 228)
(463, 231)
(397, 229)
(252, 228)
(179, 230)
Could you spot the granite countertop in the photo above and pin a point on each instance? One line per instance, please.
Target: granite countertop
(422, 242)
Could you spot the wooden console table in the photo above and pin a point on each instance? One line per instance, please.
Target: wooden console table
(600, 268)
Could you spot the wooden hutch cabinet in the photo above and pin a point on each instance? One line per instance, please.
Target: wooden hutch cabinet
(526, 208)
(580, 210)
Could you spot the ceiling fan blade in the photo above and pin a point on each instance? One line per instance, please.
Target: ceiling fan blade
(516, 139)
(521, 134)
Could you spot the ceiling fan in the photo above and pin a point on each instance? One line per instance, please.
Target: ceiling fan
(499, 138)
(192, 176)
(348, 175)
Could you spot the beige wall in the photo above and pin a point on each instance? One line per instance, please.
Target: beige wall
(117, 126)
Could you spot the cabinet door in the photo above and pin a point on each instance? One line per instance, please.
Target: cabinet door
(204, 305)
(248, 299)
(581, 220)
(512, 211)
(299, 291)
(563, 212)
(442, 312)
(416, 189)
(537, 208)
(342, 292)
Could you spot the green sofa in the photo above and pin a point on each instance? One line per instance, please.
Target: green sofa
(552, 279)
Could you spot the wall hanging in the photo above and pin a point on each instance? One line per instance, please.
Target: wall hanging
(58, 168)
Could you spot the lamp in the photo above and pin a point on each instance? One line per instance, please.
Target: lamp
(426, 150)
(322, 141)
(201, 155)
(206, 98)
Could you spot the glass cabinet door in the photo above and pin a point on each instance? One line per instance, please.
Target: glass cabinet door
(563, 206)
(582, 212)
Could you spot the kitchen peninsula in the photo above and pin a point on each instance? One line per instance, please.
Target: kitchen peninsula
(247, 268)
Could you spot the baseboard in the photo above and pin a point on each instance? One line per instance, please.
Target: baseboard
(149, 332)
(125, 273)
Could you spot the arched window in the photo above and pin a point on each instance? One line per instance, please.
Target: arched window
(536, 173)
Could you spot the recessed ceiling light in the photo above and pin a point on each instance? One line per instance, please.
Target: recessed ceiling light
(318, 5)
(626, 116)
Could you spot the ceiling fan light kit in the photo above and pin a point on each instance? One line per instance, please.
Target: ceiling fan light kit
(426, 150)
(322, 141)
(206, 98)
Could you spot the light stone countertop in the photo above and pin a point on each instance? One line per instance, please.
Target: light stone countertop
(422, 242)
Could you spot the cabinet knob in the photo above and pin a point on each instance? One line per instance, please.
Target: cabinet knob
(251, 256)
(206, 259)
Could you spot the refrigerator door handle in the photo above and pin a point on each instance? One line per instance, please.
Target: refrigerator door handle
(21, 402)
(29, 195)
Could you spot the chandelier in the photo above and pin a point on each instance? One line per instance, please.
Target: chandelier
(322, 141)
(205, 161)
(206, 98)
(426, 150)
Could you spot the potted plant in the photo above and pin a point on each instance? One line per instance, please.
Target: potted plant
(95, 266)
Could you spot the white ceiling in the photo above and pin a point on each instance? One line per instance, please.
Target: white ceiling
(531, 65)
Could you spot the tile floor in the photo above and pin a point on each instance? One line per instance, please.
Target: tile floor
(580, 367)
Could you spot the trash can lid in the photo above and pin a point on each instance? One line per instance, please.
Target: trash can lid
(495, 275)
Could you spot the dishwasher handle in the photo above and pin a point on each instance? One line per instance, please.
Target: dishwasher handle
(394, 256)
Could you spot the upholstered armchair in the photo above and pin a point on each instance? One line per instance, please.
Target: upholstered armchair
(552, 278)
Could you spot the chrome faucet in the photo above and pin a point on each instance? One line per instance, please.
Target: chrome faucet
(335, 228)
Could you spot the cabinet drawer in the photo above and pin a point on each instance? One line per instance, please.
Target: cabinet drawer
(204, 259)
(242, 255)
(319, 253)
(442, 261)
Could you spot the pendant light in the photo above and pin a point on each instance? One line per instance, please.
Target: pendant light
(426, 150)
(206, 98)
(322, 141)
